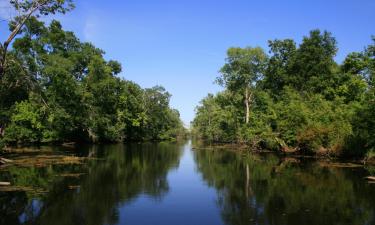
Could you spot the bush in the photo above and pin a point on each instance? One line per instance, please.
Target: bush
(363, 122)
(26, 123)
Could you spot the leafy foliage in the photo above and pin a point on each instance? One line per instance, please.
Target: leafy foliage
(60, 89)
(301, 99)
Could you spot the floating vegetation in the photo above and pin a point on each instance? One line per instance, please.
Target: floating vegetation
(31, 190)
(339, 165)
(44, 160)
(23, 150)
(34, 172)
(73, 187)
(74, 175)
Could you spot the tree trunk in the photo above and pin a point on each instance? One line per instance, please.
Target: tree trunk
(1, 70)
(16, 30)
(247, 105)
(2, 60)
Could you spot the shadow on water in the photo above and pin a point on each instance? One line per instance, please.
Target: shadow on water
(89, 192)
(266, 189)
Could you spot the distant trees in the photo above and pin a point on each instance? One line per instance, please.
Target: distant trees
(301, 99)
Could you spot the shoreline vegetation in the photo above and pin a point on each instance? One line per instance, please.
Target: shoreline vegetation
(55, 89)
(295, 100)
(333, 160)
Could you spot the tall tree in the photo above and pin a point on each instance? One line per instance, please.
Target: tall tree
(243, 68)
(312, 67)
(27, 8)
(277, 73)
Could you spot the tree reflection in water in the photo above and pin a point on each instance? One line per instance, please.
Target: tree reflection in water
(118, 175)
(259, 189)
(266, 189)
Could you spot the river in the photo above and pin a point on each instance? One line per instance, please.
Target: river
(172, 183)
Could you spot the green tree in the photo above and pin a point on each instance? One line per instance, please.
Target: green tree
(363, 65)
(313, 66)
(27, 8)
(243, 68)
(278, 69)
(79, 93)
(300, 98)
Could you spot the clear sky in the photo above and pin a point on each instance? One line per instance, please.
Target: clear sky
(181, 44)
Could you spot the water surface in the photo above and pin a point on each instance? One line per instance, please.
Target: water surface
(170, 183)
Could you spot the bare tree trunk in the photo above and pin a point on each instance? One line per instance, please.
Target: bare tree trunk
(4, 47)
(247, 105)
(2, 60)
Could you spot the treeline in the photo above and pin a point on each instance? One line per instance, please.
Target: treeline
(56, 88)
(296, 98)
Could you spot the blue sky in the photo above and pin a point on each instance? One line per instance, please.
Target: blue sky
(181, 45)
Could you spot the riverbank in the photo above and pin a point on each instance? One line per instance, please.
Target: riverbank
(319, 155)
(10, 151)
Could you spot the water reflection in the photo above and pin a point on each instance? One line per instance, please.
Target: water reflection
(253, 189)
(172, 184)
(118, 175)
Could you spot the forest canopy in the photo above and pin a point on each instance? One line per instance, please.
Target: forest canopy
(294, 99)
(55, 88)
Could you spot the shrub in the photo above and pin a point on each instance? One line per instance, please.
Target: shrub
(26, 123)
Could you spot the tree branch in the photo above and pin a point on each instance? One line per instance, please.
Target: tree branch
(20, 25)
(4, 47)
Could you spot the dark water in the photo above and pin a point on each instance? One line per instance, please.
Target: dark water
(173, 184)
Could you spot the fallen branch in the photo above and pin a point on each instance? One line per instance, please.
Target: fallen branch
(4, 160)
(4, 183)
(372, 178)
